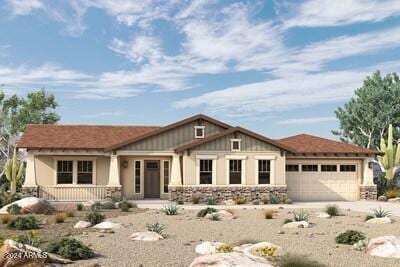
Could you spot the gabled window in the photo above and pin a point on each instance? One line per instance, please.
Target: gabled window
(199, 131)
(236, 144)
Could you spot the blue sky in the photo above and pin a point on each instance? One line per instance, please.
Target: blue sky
(276, 67)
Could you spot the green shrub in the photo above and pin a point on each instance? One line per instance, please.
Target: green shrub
(369, 217)
(205, 211)
(79, 206)
(95, 217)
(116, 199)
(8, 198)
(349, 237)
(24, 223)
(332, 210)
(288, 201)
(215, 217)
(171, 209)
(380, 213)
(70, 248)
(32, 239)
(109, 205)
(156, 227)
(224, 249)
(295, 260)
(274, 199)
(96, 206)
(300, 216)
(240, 200)
(287, 221)
(124, 205)
(14, 209)
(211, 201)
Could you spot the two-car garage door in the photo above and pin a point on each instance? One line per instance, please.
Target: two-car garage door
(313, 180)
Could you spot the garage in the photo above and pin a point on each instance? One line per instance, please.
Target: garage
(323, 180)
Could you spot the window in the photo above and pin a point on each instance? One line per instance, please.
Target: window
(292, 168)
(347, 168)
(235, 171)
(137, 176)
(64, 172)
(235, 144)
(264, 171)
(85, 172)
(309, 168)
(199, 131)
(329, 168)
(206, 171)
(166, 176)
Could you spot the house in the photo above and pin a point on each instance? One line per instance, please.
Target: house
(197, 154)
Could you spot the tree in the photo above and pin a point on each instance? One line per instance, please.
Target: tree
(364, 120)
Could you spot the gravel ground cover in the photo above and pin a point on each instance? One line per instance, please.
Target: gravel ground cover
(185, 231)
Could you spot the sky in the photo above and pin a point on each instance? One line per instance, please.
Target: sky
(275, 67)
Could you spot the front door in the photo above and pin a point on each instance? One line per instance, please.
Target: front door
(152, 179)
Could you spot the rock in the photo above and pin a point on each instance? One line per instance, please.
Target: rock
(82, 224)
(229, 202)
(302, 224)
(107, 225)
(382, 198)
(146, 236)
(222, 214)
(396, 199)
(242, 247)
(384, 246)
(100, 235)
(323, 215)
(207, 247)
(31, 205)
(227, 260)
(384, 220)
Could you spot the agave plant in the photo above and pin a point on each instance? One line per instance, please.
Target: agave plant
(14, 171)
(381, 213)
(300, 216)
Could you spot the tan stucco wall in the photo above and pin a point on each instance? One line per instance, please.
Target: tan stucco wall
(189, 166)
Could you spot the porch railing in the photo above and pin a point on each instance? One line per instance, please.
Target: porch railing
(73, 193)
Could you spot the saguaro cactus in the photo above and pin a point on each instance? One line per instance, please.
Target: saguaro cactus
(14, 170)
(391, 159)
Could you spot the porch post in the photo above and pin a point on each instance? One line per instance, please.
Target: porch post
(176, 177)
(113, 177)
(30, 176)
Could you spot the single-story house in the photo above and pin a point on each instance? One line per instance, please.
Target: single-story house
(197, 154)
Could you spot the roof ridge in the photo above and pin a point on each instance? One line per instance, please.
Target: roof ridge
(90, 125)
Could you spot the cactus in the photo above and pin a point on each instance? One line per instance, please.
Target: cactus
(391, 158)
(14, 171)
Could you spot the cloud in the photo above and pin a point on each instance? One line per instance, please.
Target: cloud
(318, 13)
(311, 120)
(24, 7)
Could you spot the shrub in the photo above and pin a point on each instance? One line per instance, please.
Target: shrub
(288, 201)
(349, 237)
(196, 198)
(300, 216)
(264, 200)
(124, 205)
(382, 198)
(295, 260)
(274, 199)
(5, 218)
(95, 217)
(60, 217)
(70, 248)
(205, 211)
(96, 206)
(267, 251)
(24, 223)
(79, 206)
(211, 201)
(171, 209)
(179, 201)
(215, 217)
(256, 202)
(14, 209)
(360, 245)
(116, 199)
(369, 217)
(287, 221)
(109, 205)
(332, 210)
(156, 227)
(380, 213)
(225, 249)
(392, 193)
(32, 239)
(240, 200)
(7, 198)
(69, 213)
(269, 214)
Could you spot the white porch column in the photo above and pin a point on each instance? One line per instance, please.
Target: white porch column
(367, 174)
(176, 177)
(113, 177)
(30, 175)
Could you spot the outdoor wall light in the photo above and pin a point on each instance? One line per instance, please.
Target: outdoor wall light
(125, 164)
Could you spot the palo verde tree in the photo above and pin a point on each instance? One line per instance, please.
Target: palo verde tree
(364, 120)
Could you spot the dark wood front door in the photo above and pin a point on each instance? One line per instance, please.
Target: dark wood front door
(152, 179)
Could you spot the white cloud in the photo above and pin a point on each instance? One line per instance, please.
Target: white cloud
(317, 13)
(309, 120)
(24, 7)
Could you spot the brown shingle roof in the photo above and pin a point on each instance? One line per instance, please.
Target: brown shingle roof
(79, 136)
(305, 143)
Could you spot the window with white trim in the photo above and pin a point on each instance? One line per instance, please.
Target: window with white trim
(235, 171)
(166, 176)
(137, 175)
(206, 171)
(235, 144)
(347, 168)
(85, 172)
(309, 168)
(199, 131)
(264, 171)
(64, 171)
(328, 168)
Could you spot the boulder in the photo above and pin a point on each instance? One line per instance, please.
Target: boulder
(229, 202)
(107, 225)
(146, 236)
(323, 215)
(82, 224)
(396, 199)
(222, 214)
(301, 224)
(384, 246)
(250, 251)
(384, 220)
(227, 260)
(207, 247)
(31, 205)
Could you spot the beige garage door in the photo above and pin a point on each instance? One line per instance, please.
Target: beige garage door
(323, 186)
